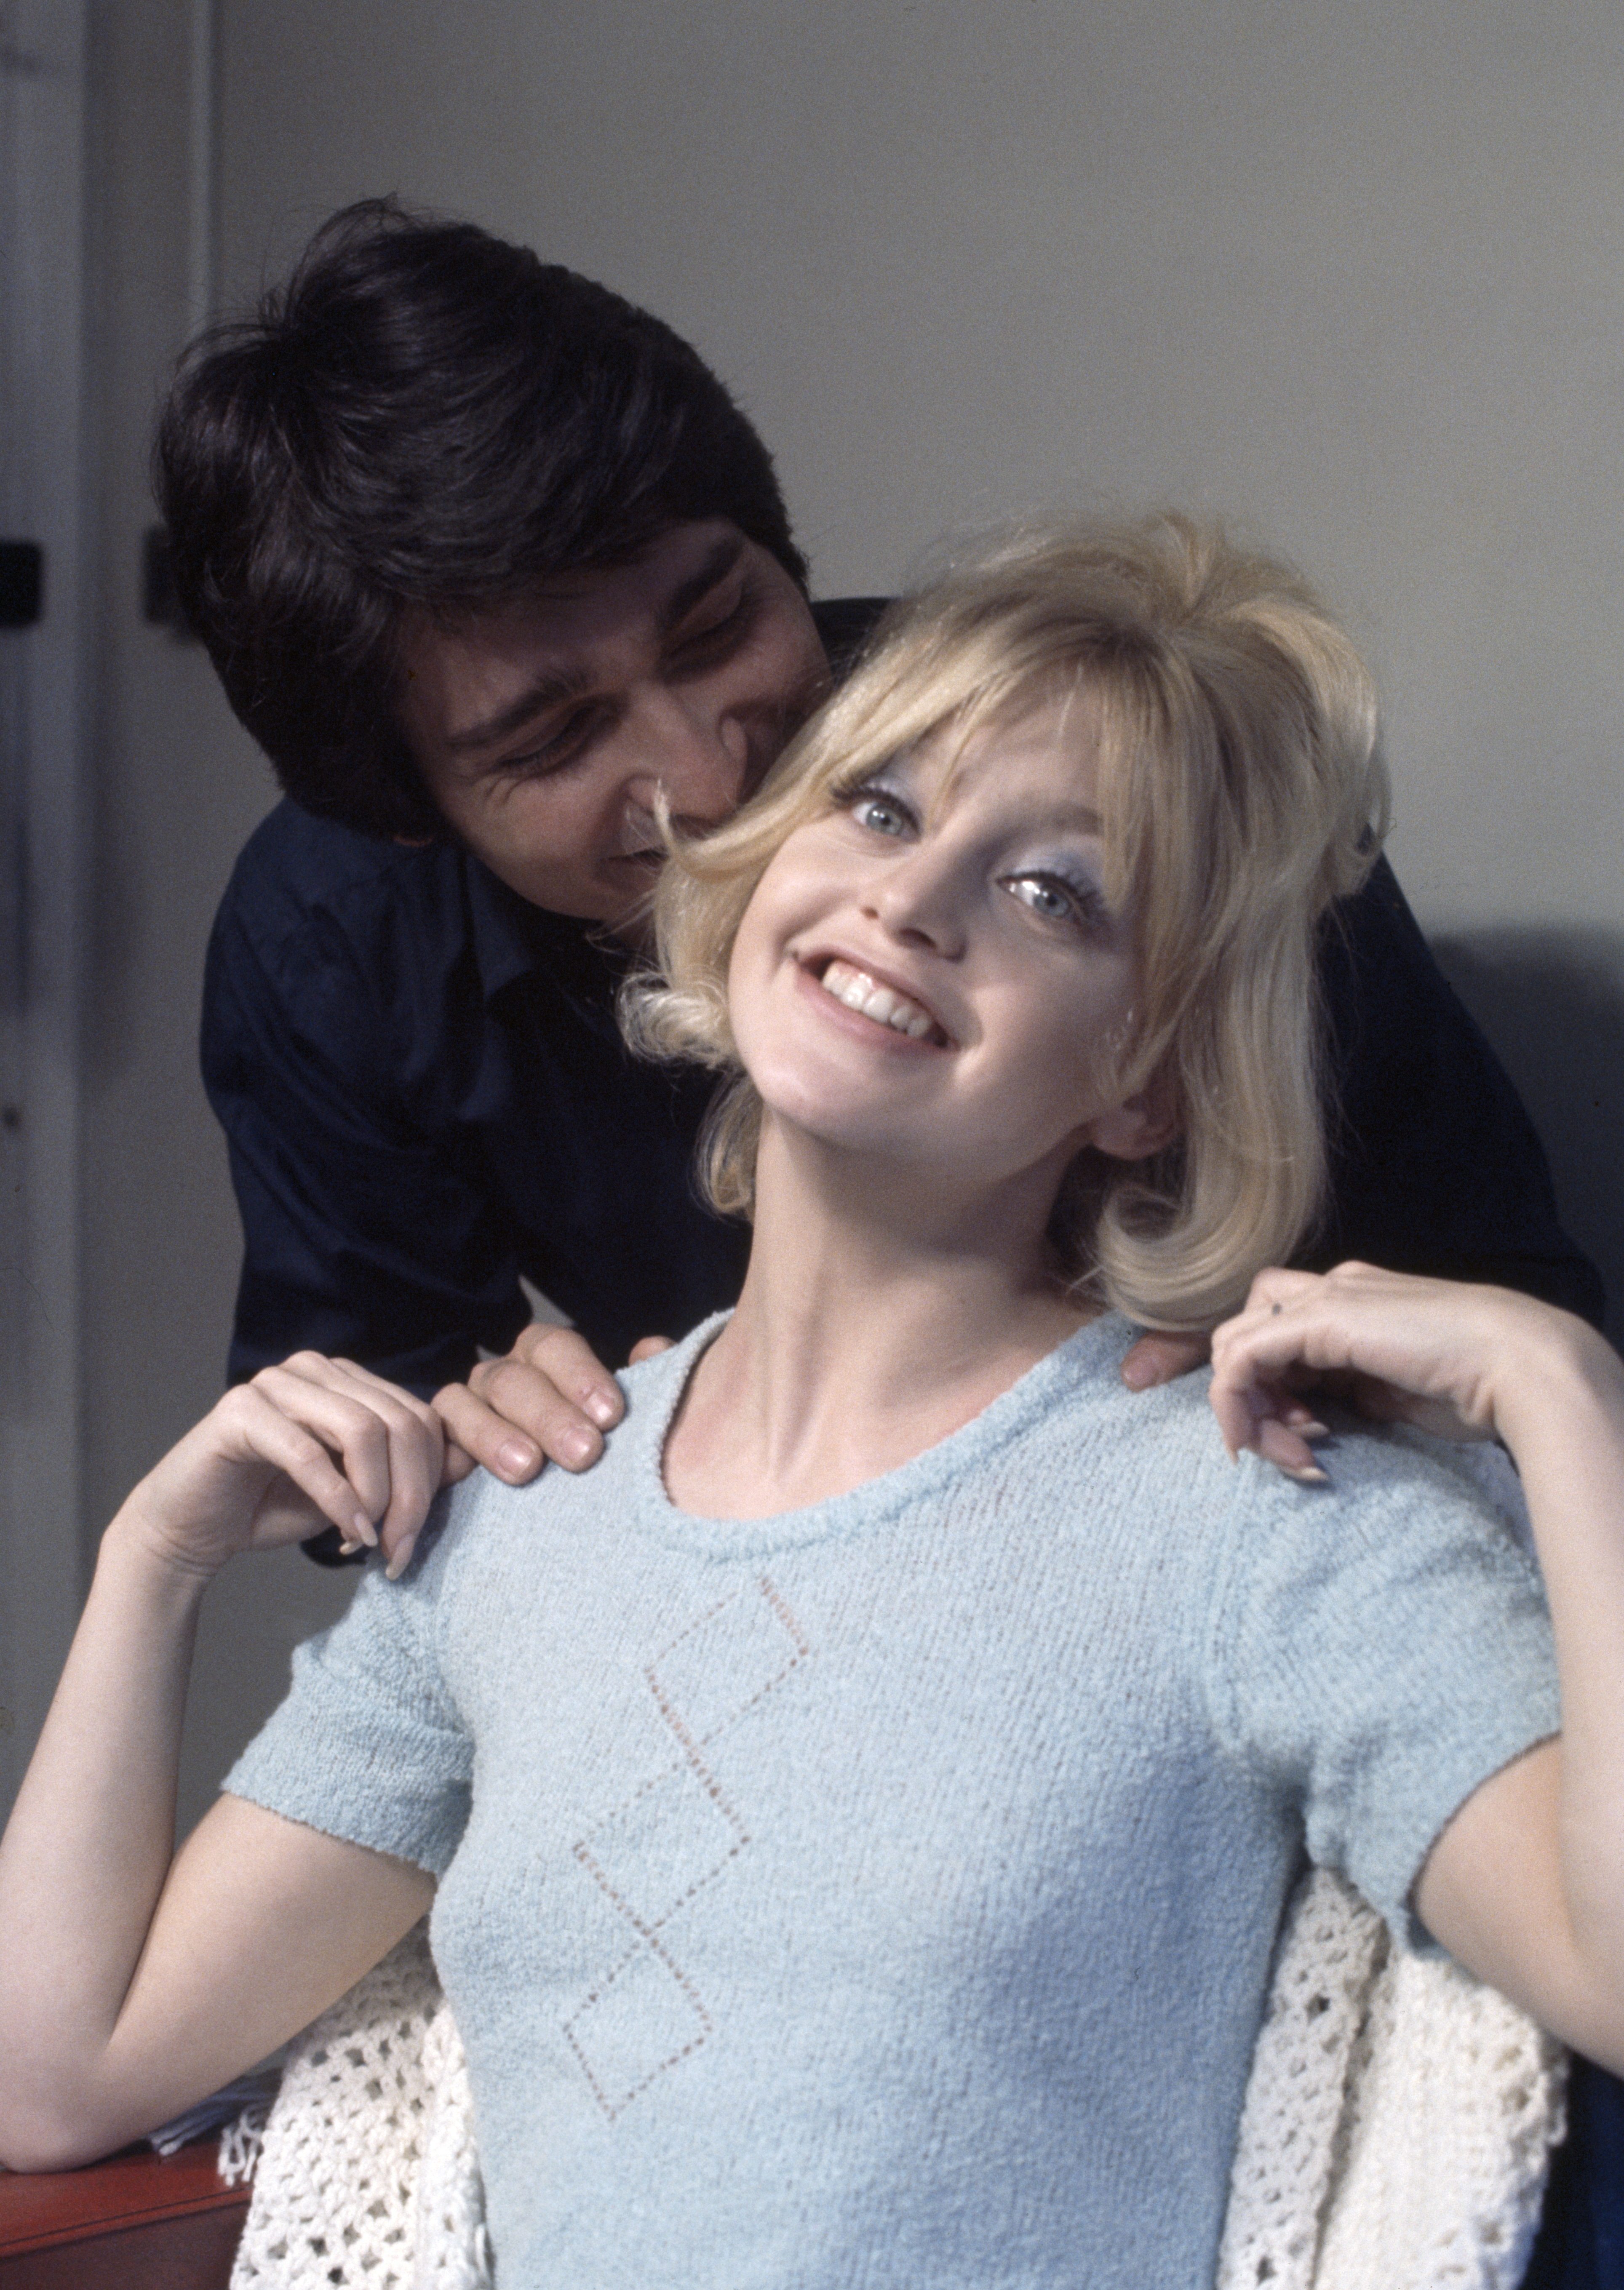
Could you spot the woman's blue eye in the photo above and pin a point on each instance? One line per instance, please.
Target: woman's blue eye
(1056, 901)
(880, 812)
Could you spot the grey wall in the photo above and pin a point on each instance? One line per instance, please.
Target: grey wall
(1352, 275)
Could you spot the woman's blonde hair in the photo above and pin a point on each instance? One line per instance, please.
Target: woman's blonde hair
(1242, 792)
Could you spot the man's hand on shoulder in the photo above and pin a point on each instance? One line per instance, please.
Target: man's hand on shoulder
(551, 1397)
(1161, 1357)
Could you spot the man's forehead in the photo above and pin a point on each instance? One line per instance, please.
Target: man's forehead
(474, 678)
(676, 570)
(674, 558)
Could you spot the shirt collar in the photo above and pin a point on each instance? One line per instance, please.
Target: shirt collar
(513, 940)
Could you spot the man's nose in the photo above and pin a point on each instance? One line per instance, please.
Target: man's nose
(697, 757)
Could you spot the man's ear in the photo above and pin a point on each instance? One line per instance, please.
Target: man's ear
(1141, 1124)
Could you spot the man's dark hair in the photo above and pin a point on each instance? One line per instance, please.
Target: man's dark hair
(424, 417)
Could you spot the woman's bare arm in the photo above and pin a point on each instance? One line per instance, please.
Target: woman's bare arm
(1525, 1885)
(128, 1986)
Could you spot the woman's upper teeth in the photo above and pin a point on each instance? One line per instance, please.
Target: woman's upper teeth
(858, 991)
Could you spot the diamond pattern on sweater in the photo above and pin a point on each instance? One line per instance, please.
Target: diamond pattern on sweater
(673, 1838)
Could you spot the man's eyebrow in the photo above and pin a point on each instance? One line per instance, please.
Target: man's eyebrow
(555, 686)
(548, 690)
(717, 562)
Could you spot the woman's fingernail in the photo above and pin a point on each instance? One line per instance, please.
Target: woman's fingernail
(364, 1528)
(402, 1559)
(1306, 1475)
(577, 1446)
(516, 1459)
(600, 1407)
(351, 1545)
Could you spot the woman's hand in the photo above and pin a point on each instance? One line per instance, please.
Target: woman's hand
(1437, 1353)
(313, 1442)
(127, 1988)
(550, 1396)
(1525, 1885)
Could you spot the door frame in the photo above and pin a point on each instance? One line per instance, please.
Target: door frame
(43, 493)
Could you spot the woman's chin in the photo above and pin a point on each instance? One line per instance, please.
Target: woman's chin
(860, 1133)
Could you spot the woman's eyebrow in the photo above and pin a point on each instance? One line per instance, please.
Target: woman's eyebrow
(1077, 816)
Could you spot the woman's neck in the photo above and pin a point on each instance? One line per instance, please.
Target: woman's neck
(878, 1314)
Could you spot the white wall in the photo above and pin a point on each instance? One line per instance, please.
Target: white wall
(1353, 275)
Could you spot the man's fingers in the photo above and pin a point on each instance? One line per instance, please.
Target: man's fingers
(1160, 1358)
(550, 1398)
(568, 1363)
(1270, 1420)
(523, 1417)
(477, 1433)
(457, 1464)
(510, 1417)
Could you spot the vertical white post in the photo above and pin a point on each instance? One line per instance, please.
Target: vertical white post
(44, 667)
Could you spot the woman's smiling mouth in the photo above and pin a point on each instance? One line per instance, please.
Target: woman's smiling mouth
(857, 990)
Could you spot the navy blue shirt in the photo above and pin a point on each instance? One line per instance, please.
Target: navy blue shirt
(425, 1097)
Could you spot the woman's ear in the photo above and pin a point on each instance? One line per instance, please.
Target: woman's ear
(1141, 1124)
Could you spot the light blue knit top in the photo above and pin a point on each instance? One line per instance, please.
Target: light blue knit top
(882, 1894)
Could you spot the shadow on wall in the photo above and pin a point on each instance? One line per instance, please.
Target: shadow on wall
(1552, 1004)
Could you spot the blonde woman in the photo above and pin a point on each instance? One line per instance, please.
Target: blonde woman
(857, 1815)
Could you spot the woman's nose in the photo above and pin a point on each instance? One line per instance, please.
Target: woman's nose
(919, 900)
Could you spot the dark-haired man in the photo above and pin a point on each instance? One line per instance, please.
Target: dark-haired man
(488, 562)
(473, 544)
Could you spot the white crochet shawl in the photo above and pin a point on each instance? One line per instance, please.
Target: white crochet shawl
(1395, 2135)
